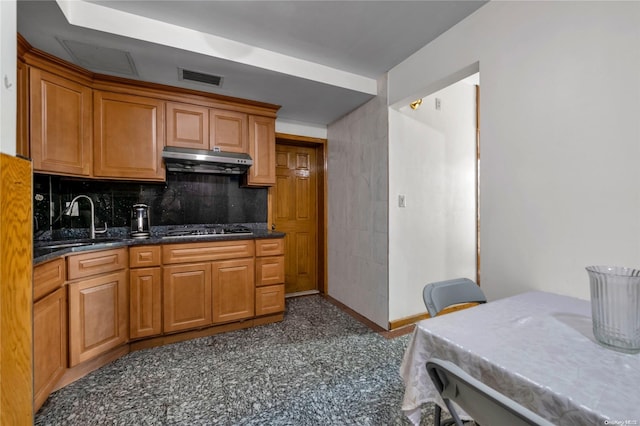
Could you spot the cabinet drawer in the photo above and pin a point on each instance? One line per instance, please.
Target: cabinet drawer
(269, 299)
(198, 252)
(97, 262)
(48, 277)
(269, 270)
(144, 256)
(270, 247)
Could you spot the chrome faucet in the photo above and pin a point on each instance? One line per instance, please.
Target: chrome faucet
(93, 231)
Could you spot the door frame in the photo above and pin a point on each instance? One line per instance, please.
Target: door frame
(320, 146)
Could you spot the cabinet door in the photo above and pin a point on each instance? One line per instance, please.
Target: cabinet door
(228, 131)
(145, 302)
(60, 121)
(262, 148)
(49, 344)
(98, 315)
(187, 126)
(187, 296)
(233, 290)
(128, 137)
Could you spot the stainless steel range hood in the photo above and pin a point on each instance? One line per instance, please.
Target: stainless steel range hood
(189, 160)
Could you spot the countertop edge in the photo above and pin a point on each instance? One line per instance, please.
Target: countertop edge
(129, 242)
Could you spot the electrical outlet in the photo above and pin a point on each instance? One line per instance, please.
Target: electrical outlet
(401, 201)
(74, 211)
(438, 104)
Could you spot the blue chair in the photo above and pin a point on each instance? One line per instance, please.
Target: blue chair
(441, 294)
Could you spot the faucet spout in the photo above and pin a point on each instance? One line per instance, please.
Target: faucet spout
(92, 229)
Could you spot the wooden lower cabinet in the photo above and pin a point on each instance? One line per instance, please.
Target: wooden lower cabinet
(145, 302)
(270, 276)
(187, 296)
(98, 315)
(269, 299)
(49, 344)
(145, 296)
(233, 290)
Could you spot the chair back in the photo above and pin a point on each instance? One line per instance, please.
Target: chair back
(441, 294)
(484, 404)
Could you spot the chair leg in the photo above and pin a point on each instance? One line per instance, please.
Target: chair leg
(437, 411)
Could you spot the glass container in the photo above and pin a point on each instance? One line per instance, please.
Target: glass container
(615, 306)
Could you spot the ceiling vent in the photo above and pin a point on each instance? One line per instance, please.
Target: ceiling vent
(100, 59)
(199, 77)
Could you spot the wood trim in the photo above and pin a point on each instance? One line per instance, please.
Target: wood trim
(179, 94)
(43, 60)
(204, 332)
(300, 139)
(38, 58)
(395, 324)
(366, 321)
(74, 373)
(23, 46)
(321, 166)
(16, 292)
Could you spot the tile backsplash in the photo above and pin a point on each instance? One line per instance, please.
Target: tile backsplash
(183, 199)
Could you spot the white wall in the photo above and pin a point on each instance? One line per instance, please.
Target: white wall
(432, 163)
(8, 76)
(301, 129)
(560, 136)
(357, 209)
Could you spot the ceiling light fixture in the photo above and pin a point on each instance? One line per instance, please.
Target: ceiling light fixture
(415, 104)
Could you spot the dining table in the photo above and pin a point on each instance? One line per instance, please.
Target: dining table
(536, 348)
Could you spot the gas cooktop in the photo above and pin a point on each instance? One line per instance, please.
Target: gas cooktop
(208, 231)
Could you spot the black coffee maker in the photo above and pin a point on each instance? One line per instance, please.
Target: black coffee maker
(140, 227)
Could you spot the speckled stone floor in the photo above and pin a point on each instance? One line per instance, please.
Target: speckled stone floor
(319, 366)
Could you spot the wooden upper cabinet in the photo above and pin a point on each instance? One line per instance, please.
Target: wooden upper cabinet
(200, 127)
(262, 148)
(22, 116)
(228, 131)
(128, 137)
(60, 124)
(187, 125)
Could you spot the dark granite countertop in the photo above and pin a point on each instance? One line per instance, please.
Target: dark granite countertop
(44, 254)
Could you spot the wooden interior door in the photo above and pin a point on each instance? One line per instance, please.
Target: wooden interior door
(295, 213)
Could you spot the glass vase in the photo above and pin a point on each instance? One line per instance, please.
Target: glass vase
(615, 306)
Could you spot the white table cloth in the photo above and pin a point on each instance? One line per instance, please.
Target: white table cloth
(537, 348)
